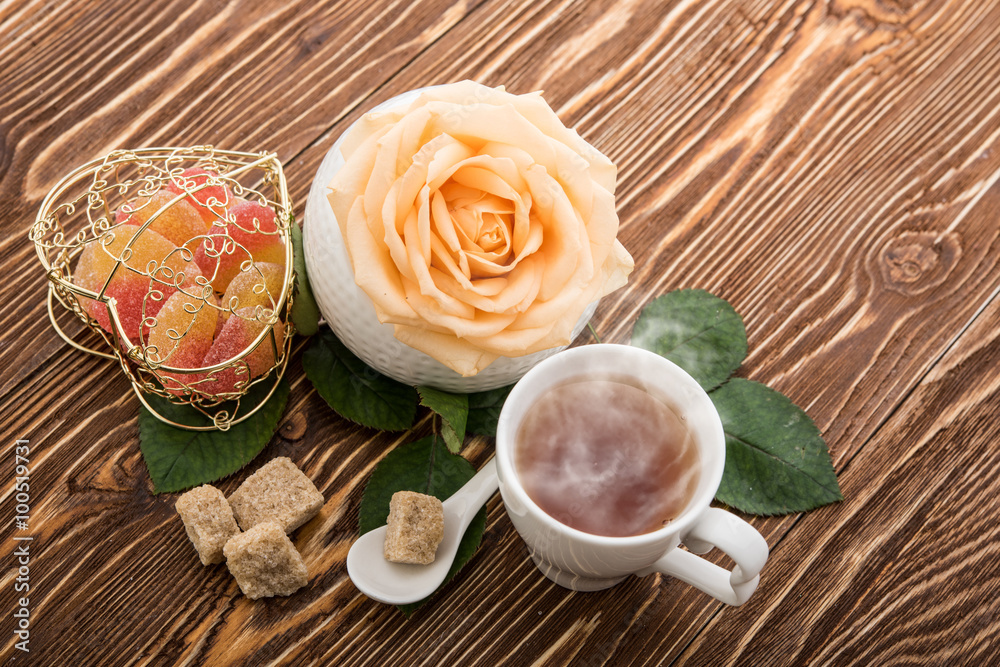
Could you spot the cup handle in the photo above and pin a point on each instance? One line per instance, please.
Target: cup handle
(733, 535)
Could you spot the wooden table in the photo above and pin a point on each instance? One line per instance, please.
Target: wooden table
(829, 168)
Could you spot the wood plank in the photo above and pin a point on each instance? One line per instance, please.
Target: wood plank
(957, 197)
(701, 206)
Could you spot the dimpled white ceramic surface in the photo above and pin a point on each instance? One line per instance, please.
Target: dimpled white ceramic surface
(351, 314)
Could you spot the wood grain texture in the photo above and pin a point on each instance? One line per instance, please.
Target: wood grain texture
(830, 168)
(908, 571)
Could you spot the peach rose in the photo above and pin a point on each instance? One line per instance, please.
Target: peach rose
(477, 223)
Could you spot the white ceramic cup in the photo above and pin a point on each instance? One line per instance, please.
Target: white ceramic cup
(586, 562)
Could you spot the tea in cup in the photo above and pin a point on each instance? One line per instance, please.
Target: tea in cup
(608, 458)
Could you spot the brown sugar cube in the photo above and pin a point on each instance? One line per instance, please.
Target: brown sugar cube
(265, 562)
(208, 520)
(416, 528)
(278, 492)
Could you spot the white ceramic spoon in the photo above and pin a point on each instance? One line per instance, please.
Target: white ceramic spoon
(400, 583)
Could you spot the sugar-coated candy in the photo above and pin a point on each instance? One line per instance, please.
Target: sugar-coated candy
(152, 269)
(260, 285)
(255, 227)
(236, 335)
(250, 234)
(179, 223)
(181, 337)
(209, 201)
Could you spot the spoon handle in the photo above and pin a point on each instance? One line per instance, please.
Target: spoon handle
(474, 494)
(485, 483)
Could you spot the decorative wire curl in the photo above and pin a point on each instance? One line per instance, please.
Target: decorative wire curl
(80, 211)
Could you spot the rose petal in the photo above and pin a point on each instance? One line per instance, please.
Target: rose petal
(374, 270)
(418, 253)
(537, 112)
(372, 124)
(533, 340)
(401, 197)
(445, 245)
(495, 176)
(351, 180)
(566, 247)
(461, 319)
(461, 356)
(448, 154)
(497, 295)
(616, 268)
(481, 124)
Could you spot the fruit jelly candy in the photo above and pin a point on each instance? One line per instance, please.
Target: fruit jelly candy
(211, 201)
(179, 223)
(265, 563)
(279, 491)
(130, 292)
(137, 295)
(253, 225)
(183, 332)
(237, 334)
(221, 259)
(251, 234)
(208, 520)
(182, 336)
(220, 321)
(260, 286)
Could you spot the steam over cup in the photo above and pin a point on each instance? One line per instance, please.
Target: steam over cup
(585, 562)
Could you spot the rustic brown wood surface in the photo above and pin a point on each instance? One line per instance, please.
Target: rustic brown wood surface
(829, 168)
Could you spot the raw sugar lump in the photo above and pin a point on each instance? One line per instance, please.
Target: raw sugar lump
(416, 528)
(278, 492)
(265, 563)
(208, 521)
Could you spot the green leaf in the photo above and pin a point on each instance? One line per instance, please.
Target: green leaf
(776, 460)
(178, 458)
(427, 467)
(305, 312)
(453, 410)
(696, 330)
(354, 389)
(484, 410)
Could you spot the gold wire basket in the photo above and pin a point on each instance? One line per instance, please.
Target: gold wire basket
(124, 224)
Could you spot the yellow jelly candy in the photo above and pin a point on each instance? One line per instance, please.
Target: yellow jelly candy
(179, 223)
(153, 269)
